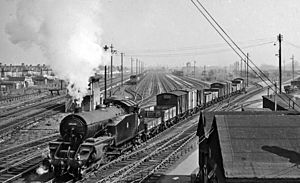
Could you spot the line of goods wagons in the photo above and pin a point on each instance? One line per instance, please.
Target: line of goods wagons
(175, 105)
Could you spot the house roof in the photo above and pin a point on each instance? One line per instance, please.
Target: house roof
(16, 79)
(259, 146)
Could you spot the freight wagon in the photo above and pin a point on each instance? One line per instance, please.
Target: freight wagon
(223, 90)
(179, 99)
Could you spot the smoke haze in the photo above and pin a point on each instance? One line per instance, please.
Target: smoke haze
(67, 31)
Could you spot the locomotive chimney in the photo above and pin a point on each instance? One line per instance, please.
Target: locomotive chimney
(101, 106)
(77, 108)
(92, 95)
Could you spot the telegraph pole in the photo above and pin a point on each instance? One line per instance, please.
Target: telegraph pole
(111, 67)
(293, 67)
(241, 71)
(247, 61)
(105, 84)
(194, 69)
(111, 61)
(136, 66)
(122, 54)
(280, 39)
(131, 69)
(139, 67)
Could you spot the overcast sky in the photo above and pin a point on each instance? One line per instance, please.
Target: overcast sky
(173, 32)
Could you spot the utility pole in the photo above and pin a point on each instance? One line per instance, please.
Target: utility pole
(280, 39)
(111, 67)
(140, 67)
(105, 84)
(293, 67)
(194, 69)
(241, 71)
(131, 69)
(247, 69)
(136, 66)
(237, 68)
(122, 54)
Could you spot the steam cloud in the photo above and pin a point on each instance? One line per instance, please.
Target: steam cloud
(68, 33)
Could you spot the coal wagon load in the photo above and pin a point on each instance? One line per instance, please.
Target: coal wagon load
(168, 115)
(152, 126)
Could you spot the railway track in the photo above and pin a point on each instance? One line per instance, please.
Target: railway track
(16, 161)
(140, 170)
(13, 154)
(26, 107)
(12, 126)
(11, 99)
(17, 169)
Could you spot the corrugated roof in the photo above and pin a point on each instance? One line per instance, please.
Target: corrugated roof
(259, 146)
(208, 117)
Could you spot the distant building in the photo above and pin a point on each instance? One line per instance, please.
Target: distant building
(6, 86)
(249, 147)
(24, 70)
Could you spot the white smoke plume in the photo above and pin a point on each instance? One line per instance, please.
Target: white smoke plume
(67, 31)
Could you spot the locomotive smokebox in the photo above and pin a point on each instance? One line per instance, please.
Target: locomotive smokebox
(80, 126)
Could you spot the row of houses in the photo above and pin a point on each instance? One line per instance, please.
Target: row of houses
(10, 84)
(24, 70)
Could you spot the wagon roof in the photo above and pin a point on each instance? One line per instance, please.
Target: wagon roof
(176, 93)
(218, 83)
(238, 79)
(187, 89)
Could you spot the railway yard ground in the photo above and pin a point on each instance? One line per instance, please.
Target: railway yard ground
(32, 122)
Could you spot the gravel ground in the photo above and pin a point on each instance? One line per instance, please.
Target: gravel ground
(37, 130)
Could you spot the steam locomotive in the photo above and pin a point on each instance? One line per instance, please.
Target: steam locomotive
(87, 137)
(97, 136)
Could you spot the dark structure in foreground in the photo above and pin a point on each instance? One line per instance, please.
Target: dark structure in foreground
(249, 147)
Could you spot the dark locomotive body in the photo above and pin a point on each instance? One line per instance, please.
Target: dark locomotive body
(87, 137)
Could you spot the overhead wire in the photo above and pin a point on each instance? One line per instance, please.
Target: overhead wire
(227, 41)
(205, 52)
(291, 44)
(228, 38)
(214, 45)
(224, 37)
